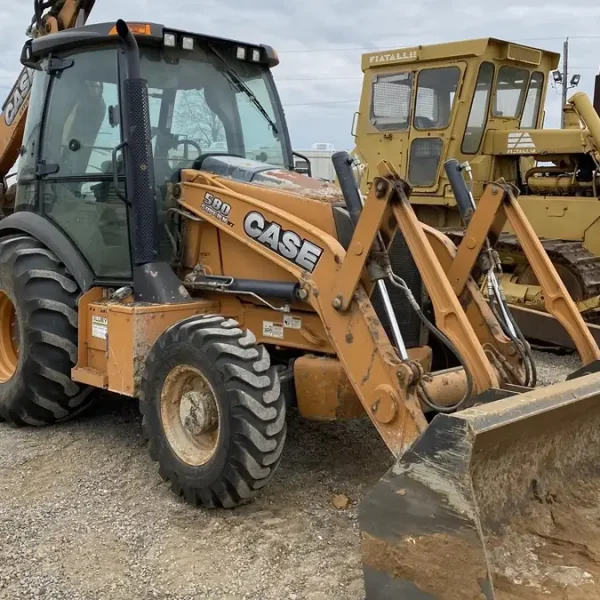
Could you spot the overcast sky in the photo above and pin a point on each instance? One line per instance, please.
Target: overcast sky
(320, 42)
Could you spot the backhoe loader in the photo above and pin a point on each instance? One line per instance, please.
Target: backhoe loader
(482, 102)
(223, 291)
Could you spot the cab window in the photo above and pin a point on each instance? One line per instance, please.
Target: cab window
(510, 91)
(478, 113)
(532, 102)
(436, 89)
(390, 108)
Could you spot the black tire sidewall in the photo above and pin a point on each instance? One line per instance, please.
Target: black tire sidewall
(44, 295)
(16, 386)
(189, 475)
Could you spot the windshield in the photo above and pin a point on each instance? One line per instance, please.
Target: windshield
(196, 109)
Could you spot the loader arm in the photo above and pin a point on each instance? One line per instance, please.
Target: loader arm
(381, 380)
(333, 287)
(61, 15)
(498, 205)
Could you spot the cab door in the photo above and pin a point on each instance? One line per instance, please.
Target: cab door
(383, 129)
(436, 91)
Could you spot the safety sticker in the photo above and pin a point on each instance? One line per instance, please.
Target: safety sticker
(273, 330)
(99, 327)
(292, 322)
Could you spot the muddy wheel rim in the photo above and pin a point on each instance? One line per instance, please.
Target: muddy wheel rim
(9, 338)
(190, 415)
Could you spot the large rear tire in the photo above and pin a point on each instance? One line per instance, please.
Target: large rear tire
(213, 411)
(38, 336)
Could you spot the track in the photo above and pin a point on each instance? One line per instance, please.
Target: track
(582, 266)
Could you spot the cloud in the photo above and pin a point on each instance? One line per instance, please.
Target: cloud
(320, 42)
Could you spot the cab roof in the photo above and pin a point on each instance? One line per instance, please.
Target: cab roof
(494, 48)
(152, 34)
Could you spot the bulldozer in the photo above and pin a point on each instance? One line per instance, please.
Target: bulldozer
(162, 248)
(481, 102)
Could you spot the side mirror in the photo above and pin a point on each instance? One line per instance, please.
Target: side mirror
(307, 169)
(27, 59)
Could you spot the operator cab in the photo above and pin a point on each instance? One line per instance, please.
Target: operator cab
(207, 97)
(422, 105)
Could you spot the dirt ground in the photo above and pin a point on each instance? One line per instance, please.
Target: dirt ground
(84, 515)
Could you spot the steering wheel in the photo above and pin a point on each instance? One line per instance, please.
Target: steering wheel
(187, 143)
(179, 163)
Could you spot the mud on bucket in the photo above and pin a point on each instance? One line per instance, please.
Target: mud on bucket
(500, 501)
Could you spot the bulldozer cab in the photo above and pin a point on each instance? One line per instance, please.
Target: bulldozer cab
(422, 105)
(206, 96)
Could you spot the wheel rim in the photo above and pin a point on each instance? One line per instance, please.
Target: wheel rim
(9, 338)
(190, 415)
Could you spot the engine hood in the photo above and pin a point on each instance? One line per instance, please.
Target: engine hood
(260, 173)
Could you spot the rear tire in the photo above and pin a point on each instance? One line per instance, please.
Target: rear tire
(213, 411)
(38, 349)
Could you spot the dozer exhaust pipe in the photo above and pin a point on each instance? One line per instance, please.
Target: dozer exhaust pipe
(153, 280)
(491, 502)
(597, 94)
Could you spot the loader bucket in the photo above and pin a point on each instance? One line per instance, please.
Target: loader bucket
(500, 501)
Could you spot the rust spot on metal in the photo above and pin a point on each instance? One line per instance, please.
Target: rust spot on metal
(367, 375)
(300, 184)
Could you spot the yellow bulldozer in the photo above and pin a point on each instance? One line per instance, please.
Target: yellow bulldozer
(224, 291)
(481, 102)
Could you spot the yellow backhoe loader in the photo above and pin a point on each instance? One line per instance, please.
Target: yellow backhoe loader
(223, 291)
(482, 102)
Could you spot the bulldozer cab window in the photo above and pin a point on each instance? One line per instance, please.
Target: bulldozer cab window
(510, 92)
(436, 89)
(532, 102)
(390, 108)
(478, 113)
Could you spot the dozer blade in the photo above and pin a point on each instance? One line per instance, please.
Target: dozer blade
(500, 501)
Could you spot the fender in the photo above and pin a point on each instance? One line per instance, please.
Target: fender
(52, 237)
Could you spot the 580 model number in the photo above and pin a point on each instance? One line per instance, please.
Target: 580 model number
(216, 207)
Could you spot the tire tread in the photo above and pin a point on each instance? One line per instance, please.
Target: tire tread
(257, 409)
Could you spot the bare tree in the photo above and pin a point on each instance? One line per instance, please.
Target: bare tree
(197, 121)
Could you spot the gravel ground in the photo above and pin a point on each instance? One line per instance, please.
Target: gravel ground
(84, 515)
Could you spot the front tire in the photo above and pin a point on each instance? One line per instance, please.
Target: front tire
(38, 336)
(213, 411)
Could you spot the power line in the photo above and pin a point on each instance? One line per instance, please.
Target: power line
(326, 102)
(317, 78)
(388, 47)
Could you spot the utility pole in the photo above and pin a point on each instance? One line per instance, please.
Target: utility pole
(565, 75)
(562, 80)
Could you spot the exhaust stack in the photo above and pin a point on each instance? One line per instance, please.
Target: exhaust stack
(153, 280)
